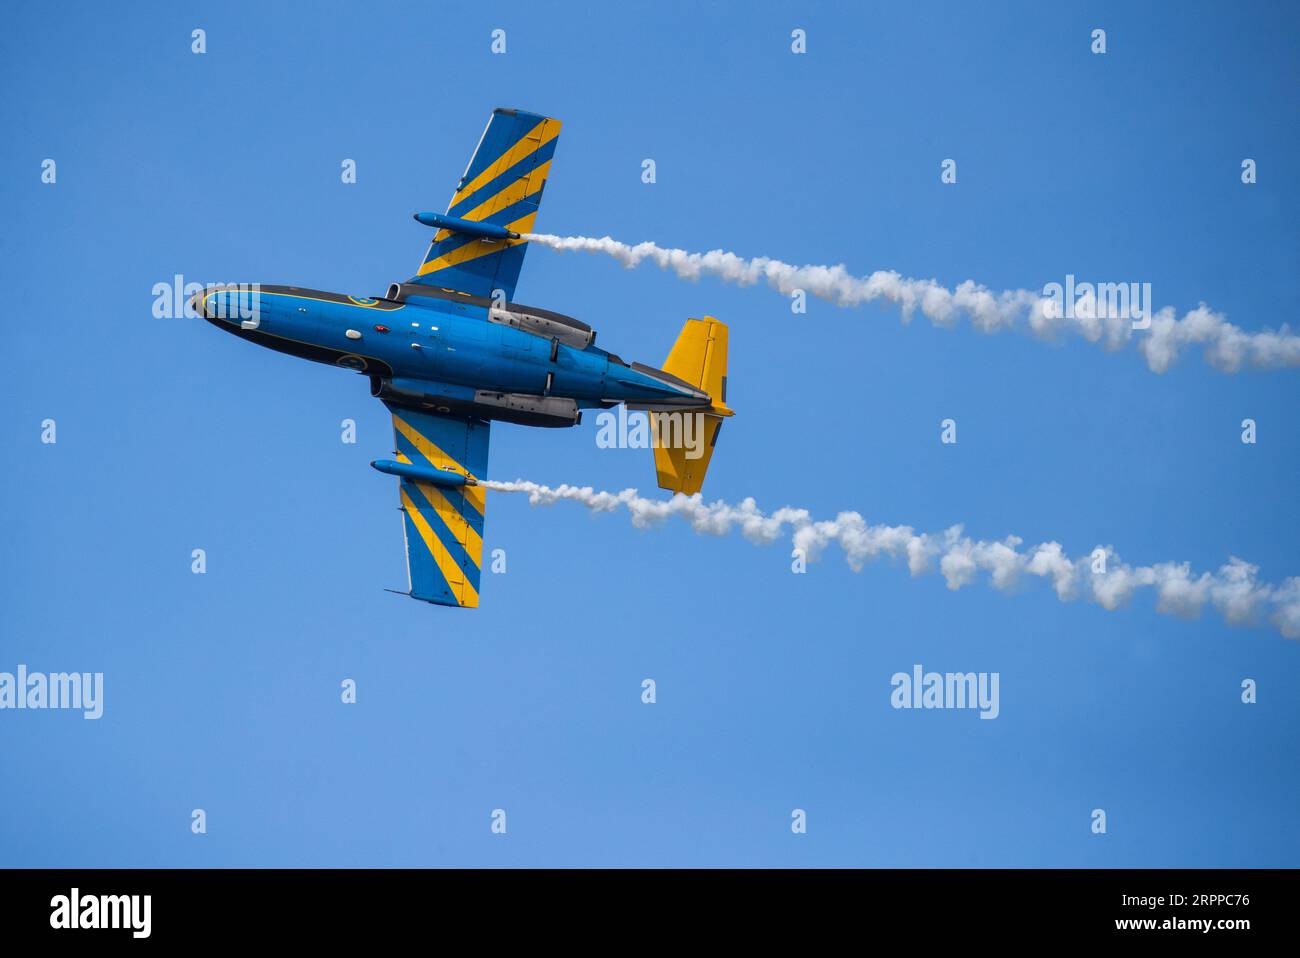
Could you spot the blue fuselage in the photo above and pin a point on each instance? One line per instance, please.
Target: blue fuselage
(439, 347)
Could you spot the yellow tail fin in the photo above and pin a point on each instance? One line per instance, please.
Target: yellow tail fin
(684, 439)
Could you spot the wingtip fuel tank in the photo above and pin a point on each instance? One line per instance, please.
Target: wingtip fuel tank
(465, 227)
(429, 474)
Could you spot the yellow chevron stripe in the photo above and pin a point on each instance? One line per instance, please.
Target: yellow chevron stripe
(461, 529)
(520, 189)
(529, 143)
(465, 593)
(429, 449)
(463, 254)
(478, 248)
(475, 495)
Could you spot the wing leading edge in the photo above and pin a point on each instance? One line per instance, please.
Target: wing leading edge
(443, 524)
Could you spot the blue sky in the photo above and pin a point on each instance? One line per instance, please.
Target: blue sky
(222, 689)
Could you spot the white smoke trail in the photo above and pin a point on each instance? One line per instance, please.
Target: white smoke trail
(1227, 347)
(1234, 591)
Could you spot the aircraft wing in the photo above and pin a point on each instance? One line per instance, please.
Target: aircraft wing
(502, 187)
(443, 525)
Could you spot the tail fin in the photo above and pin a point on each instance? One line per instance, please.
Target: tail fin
(684, 439)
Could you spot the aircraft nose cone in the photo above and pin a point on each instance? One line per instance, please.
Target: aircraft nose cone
(235, 304)
(218, 304)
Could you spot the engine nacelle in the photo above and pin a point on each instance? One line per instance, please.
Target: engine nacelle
(528, 410)
(450, 399)
(546, 324)
(420, 393)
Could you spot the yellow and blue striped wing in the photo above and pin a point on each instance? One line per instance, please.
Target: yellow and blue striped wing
(443, 525)
(502, 185)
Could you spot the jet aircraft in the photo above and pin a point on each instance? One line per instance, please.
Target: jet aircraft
(449, 352)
